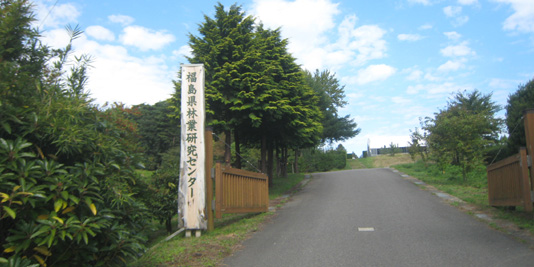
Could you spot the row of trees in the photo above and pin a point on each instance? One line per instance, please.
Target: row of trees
(467, 132)
(257, 93)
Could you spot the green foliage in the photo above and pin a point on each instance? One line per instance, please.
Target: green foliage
(449, 180)
(459, 134)
(223, 47)
(331, 97)
(417, 147)
(158, 130)
(518, 102)
(391, 150)
(161, 193)
(67, 169)
(254, 88)
(318, 160)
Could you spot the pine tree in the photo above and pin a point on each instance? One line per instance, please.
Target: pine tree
(331, 97)
(222, 47)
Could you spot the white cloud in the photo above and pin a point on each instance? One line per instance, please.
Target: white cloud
(100, 33)
(452, 35)
(409, 37)
(460, 20)
(522, 19)
(305, 21)
(372, 73)
(145, 39)
(400, 100)
(354, 96)
(117, 76)
(121, 19)
(504, 83)
(426, 27)
(460, 50)
(452, 65)
(54, 16)
(454, 12)
(365, 40)
(432, 78)
(435, 90)
(467, 2)
(415, 75)
(422, 2)
(57, 38)
(183, 51)
(310, 26)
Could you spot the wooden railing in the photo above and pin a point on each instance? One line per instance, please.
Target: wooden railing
(240, 191)
(508, 182)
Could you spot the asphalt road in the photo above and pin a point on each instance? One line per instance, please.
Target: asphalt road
(321, 226)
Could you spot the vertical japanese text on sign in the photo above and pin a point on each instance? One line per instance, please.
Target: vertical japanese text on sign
(192, 173)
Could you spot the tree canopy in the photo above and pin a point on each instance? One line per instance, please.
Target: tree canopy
(255, 88)
(331, 97)
(518, 102)
(460, 133)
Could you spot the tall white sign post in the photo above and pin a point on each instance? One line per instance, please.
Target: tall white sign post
(192, 191)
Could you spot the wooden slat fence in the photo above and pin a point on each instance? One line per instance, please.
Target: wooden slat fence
(240, 191)
(509, 183)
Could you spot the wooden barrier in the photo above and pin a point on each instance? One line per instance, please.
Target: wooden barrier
(509, 183)
(529, 136)
(240, 191)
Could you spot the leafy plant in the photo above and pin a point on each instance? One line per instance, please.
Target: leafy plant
(67, 179)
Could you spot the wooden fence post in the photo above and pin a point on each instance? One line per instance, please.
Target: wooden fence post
(529, 135)
(524, 182)
(218, 190)
(208, 140)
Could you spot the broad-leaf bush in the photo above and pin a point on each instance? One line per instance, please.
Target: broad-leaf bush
(67, 179)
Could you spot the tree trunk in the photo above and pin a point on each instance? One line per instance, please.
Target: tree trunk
(237, 150)
(270, 158)
(263, 153)
(296, 163)
(168, 225)
(227, 148)
(277, 160)
(283, 162)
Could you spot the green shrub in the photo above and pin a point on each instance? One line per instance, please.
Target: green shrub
(318, 160)
(67, 169)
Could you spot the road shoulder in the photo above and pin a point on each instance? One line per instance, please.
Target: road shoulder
(483, 214)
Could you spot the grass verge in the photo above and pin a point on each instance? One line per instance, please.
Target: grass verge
(367, 162)
(212, 247)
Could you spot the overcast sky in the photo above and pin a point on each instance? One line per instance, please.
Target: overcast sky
(400, 60)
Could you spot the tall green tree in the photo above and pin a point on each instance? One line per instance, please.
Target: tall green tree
(280, 107)
(222, 47)
(518, 102)
(331, 97)
(459, 134)
(254, 88)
